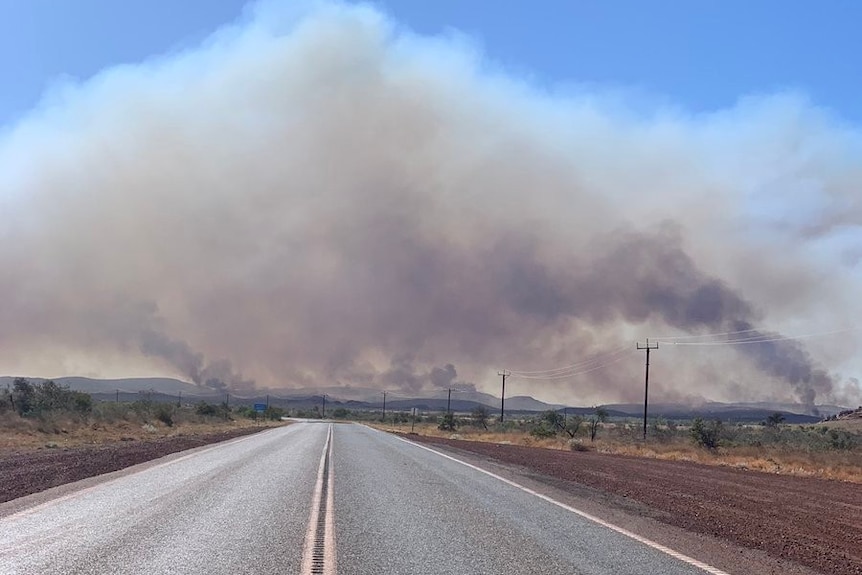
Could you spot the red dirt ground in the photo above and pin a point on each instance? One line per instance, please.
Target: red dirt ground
(814, 522)
(29, 472)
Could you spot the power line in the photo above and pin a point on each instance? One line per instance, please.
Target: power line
(576, 365)
(572, 374)
(706, 335)
(764, 338)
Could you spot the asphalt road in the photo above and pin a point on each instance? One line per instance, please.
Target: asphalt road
(378, 504)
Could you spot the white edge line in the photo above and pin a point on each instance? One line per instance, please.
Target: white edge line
(657, 546)
(80, 492)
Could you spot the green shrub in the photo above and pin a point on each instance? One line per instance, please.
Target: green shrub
(542, 431)
(479, 416)
(29, 399)
(164, 412)
(274, 413)
(206, 409)
(447, 422)
(706, 434)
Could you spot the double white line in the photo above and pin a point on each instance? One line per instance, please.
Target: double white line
(318, 553)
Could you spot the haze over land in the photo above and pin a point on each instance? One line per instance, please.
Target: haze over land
(326, 198)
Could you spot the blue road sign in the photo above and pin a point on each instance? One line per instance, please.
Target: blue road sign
(260, 407)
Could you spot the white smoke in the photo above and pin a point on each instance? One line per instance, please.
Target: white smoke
(327, 197)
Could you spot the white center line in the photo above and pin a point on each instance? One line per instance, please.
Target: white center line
(318, 554)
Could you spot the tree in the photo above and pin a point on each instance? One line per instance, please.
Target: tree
(556, 421)
(775, 419)
(479, 416)
(600, 416)
(573, 425)
(23, 396)
(706, 434)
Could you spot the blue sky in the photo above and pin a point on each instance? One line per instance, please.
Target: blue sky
(697, 55)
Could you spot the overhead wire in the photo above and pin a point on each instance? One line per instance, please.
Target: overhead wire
(706, 335)
(738, 337)
(569, 375)
(764, 338)
(575, 366)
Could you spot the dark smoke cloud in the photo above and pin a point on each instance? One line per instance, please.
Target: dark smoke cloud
(332, 200)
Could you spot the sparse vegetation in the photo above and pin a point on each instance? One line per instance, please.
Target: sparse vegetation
(447, 422)
(774, 420)
(706, 434)
(30, 411)
(595, 421)
(479, 417)
(340, 413)
(831, 450)
(34, 399)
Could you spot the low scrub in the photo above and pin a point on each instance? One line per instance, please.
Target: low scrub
(822, 450)
(35, 399)
(30, 410)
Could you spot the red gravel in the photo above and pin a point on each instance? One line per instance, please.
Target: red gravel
(25, 473)
(814, 522)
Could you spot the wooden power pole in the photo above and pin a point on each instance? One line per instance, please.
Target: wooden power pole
(504, 373)
(646, 347)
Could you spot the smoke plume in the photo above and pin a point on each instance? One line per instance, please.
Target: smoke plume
(331, 199)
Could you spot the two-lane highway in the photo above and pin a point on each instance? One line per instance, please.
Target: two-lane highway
(318, 498)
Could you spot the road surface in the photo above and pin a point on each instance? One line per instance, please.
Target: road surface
(323, 498)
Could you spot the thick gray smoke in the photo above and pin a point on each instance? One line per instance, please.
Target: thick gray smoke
(330, 199)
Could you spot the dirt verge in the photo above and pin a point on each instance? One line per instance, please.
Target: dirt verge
(815, 522)
(26, 472)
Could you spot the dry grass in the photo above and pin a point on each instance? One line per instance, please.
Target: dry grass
(854, 424)
(63, 431)
(826, 464)
(836, 465)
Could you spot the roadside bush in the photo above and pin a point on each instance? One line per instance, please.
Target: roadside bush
(245, 411)
(340, 413)
(23, 396)
(164, 412)
(400, 417)
(110, 412)
(479, 417)
(204, 408)
(842, 440)
(274, 413)
(541, 431)
(29, 399)
(221, 410)
(447, 422)
(706, 434)
(662, 430)
(811, 439)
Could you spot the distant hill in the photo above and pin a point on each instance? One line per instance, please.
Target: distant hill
(131, 385)
(349, 397)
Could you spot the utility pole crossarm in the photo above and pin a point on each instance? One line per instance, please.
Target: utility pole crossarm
(505, 373)
(647, 347)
